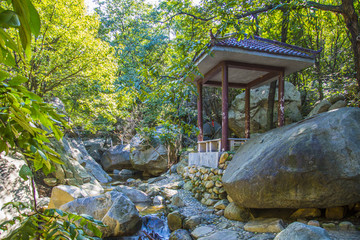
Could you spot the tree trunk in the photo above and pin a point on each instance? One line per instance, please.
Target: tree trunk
(272, 89)
(352, 23)
(351, 18)
(271, 103)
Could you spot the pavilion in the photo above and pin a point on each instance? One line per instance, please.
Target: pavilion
(247, 63)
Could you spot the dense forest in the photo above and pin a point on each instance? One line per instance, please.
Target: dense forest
(120, 68)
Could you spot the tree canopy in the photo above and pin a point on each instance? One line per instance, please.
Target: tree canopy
(122, 67)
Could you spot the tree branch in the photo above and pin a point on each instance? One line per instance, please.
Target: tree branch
(190, 15)
(196, 17)
(255, 12)
(331, 8)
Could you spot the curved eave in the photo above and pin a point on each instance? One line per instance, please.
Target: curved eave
(218, 54)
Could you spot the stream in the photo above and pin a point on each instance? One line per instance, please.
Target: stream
(154, 222)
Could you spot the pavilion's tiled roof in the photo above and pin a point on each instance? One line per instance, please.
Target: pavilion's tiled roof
(265, 45)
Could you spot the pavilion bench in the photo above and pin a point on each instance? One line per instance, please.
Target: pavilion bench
(214, 145)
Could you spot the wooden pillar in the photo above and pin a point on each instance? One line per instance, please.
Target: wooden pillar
(247, 112)
(281, 109)
(200, 111)
(225, 110)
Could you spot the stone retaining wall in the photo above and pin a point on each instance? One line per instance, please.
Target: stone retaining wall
(205, 182)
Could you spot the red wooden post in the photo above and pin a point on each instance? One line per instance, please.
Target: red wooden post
(247, 112)
(225, 110)
(281, 109)
(200, 111)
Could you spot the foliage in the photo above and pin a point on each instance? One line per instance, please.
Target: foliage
(26, 124)
(154, 95)
(155, 47)
(50, 224)
(68, 61)
(26, 121)
(308, 24)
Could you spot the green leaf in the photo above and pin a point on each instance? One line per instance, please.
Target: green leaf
(33, 149)
(34, 18)
(42, 154)
(3, 146)
(61, 213)
(25, 172)
(9, 58)
(94, 229)
(33, 96)
(24, 31)
(24, 124)
(38, 163)
(58, 134)
(72, 230)
(4, 75)
(53, 231)
(9, 42)
(17, 80)
(55, 159)
(9, 18)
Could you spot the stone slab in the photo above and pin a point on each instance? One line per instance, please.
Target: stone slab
(206, 159)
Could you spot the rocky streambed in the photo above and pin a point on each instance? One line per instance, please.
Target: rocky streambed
(188, 217)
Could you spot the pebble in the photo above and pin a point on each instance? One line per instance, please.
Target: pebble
(329, 226)
(313, 223)
(346, 226)
(274, 225)
(209, 184)
(192, 222)
(220, 212)
(158, 200)
(201, 231)
(213, 219)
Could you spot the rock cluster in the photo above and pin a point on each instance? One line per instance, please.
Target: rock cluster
(117, 157)
(79, 168)
(113, 208)
(258, 109)
(148, 156)
(12, 187)
(313, 163)
(330, 104)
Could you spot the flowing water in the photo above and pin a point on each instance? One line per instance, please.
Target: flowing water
(154, 222)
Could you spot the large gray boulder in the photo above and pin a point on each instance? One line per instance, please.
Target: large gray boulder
(153, 160)
(64, 193)
(338, 104)
(320, 107)
(258, 109)
(113, 208)
(313, 163)
(117, 157)
(300, 231)
(136, 196)
(79, 167)
(95, 206)
(122, 218)
(12, 187)
(95, 147)
(75, 148)
(150, 155)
